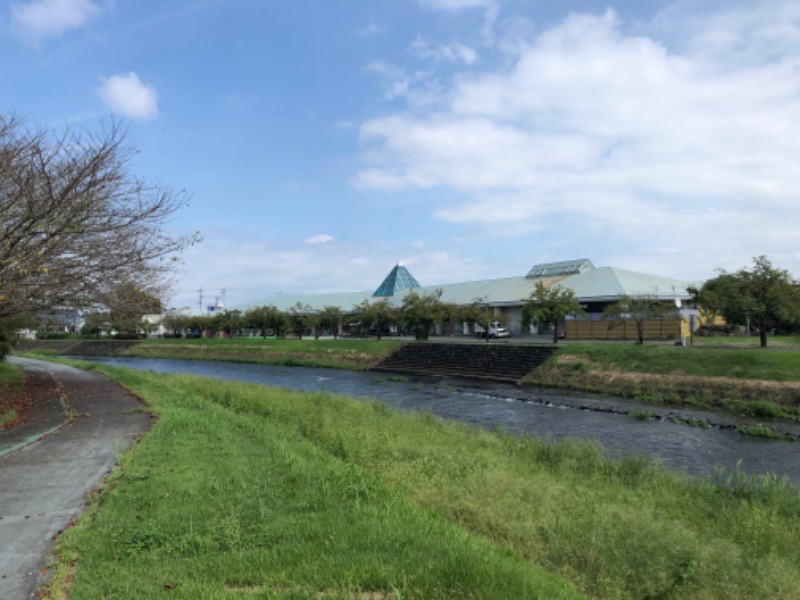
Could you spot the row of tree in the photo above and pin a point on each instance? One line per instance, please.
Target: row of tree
(765, 297)
(418, 314)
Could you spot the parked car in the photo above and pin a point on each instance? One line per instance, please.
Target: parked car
(495, 331)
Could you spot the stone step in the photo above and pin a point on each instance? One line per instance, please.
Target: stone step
(475, 361)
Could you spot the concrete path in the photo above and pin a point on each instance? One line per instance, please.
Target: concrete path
(44, 481)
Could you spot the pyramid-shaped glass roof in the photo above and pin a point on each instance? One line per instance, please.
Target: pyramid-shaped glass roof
(397, 280)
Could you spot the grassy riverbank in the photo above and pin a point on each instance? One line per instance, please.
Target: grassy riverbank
(746, 381)
(355, 354)
(242, 489)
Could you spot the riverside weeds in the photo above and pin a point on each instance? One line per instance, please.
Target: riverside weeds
(355, 355)
(218, 503)
(242, 489)
(752, 382)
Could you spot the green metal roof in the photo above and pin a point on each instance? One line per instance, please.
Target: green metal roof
(609, 283)
(594, 284)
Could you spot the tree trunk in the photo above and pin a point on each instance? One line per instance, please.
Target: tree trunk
(762, 333)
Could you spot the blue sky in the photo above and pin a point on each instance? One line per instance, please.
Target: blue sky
(323, 142)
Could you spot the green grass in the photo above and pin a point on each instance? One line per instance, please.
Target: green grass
(700, 361)
(743, 381)
(220, 503)
(11, 379)
(753, 341)
(10, 374)
(244, 489)
(342, 353)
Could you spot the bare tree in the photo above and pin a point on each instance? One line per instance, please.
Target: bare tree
(75, 224)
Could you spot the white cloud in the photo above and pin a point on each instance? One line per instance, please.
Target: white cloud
(371, 28)
(41, 19)
(126, 95)
(454, 52)
(320, 239)
(252, 270)
(595, 130)
(397, 81)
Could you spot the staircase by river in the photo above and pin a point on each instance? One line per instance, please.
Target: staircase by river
(494, 362)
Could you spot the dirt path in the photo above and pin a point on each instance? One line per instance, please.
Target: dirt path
(50, 464)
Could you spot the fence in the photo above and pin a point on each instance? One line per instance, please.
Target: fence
(660, 329)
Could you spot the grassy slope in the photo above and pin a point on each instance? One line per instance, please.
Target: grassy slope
(216, 502)
(749, 381)
(342, 353)
(701, 361)
(255, 489)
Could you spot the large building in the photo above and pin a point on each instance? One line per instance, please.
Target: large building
(595, 288)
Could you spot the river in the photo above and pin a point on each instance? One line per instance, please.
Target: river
(552, 414)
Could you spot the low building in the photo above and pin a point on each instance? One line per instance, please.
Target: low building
(595, 287)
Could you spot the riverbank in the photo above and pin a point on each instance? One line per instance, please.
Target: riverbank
(750, 382)
(746, 381)
(236, 482)
(354, 354)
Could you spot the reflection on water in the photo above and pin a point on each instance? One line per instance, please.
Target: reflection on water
(544, 413)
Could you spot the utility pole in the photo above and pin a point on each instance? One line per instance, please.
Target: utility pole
(200, 301)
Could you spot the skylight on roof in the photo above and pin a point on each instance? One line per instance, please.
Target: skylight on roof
(397, 280)
(560, 269)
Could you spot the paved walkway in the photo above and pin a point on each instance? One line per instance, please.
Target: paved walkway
(44, 481)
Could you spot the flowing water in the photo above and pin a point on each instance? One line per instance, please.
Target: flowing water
(553, 414)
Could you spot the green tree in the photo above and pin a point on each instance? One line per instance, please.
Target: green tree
(300, 318)
(96, 322)
(479, 312)
(128, 304)
(451, 314)
(422, 311)
(639, 309)
(550, 305)
(228, 322)
(331, 317)
(264, 318)
(173, 323)
(378, 314)
(764, 295)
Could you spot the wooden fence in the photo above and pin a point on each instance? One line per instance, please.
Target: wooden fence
(606, 330)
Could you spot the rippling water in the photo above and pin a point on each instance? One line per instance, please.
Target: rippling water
(536, 412)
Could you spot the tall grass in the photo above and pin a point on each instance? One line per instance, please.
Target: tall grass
(614, 529)
(343, 353)
(218, 503)
(701, 361)
(762, 384)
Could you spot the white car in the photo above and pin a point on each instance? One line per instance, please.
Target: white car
(495, 331)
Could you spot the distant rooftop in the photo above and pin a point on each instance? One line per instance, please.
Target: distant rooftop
(397, 280)
(560, 269)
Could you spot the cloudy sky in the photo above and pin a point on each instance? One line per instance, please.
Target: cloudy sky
(324, 141)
